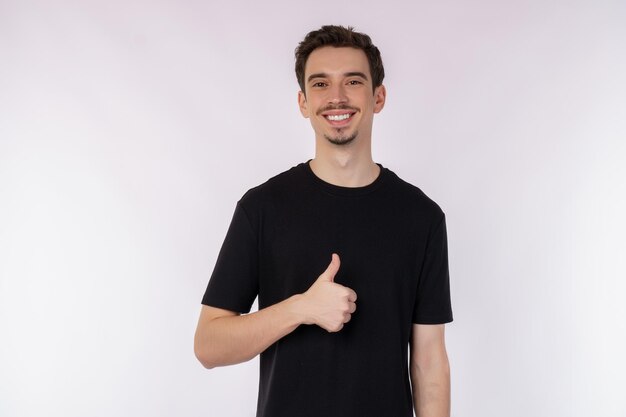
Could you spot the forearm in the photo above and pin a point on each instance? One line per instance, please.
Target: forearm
(431, 387)
(235, 339)
(224, 338)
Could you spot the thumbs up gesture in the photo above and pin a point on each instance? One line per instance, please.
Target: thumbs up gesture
(328, 304)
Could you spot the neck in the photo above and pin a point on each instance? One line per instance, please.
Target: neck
(341, 165)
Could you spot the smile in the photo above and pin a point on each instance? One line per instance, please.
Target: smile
(338, 117)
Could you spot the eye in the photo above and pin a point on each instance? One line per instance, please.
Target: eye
(354, 82)
(319, 84)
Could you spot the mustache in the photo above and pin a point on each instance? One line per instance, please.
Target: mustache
(336, 107)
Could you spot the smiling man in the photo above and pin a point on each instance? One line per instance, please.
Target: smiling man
(348, 261)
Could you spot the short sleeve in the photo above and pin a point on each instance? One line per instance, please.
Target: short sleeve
(433, 305)
(234, 283)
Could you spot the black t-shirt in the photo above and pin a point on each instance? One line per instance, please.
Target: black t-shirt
(391, 239)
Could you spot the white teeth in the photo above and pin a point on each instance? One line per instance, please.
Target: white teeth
(338, 117)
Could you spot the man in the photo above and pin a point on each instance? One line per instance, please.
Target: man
(333, 337)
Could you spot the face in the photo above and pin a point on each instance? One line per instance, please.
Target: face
(339, 99)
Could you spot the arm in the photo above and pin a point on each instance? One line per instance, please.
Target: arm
(430, 371)
(224, 338)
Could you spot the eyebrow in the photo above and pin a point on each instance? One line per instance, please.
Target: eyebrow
(347, 74)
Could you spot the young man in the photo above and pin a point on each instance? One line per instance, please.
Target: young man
(348, 261)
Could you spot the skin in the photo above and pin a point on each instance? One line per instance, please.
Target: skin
(338, 81)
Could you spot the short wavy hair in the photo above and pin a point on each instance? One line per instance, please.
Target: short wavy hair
(339, 36)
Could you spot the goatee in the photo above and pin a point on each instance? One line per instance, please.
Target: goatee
(341, 140)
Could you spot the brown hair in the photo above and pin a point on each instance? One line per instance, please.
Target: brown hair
(339, 36)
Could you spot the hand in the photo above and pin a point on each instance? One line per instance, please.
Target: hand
(326, 303)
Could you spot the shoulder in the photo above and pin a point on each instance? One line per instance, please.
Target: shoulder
(278, 187)
(413, 198)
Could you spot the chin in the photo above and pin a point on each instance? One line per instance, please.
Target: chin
(341, 141)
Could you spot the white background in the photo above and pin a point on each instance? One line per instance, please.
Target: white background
(128, 130)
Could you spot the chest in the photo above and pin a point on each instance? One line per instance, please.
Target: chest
(380, 246)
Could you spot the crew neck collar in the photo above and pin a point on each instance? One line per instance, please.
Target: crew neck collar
(340, 190)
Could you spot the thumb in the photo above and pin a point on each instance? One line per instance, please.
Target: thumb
(331, 271)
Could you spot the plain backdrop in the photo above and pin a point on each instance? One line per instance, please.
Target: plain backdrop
(129, 129)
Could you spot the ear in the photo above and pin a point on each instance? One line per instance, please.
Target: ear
(380, 95)
(304, 109)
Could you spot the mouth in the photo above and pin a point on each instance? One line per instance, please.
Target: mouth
(339, 118)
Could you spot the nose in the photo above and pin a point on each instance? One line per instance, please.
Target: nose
(337, 94)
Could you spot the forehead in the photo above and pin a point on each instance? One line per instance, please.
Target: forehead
(329, 60)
